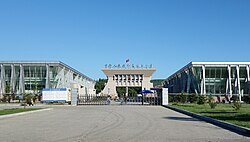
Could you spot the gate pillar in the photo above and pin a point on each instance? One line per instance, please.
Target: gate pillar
(164, 96)
(74, 96)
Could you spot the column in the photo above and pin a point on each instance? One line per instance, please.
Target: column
(203, 85)
(238, 82)
(164, 96)
(238, 78)
(248, 76)
(12, 79)
(21, 81)
(2, 80)
(47, 85)
(126, 95)
(188, 81)
(229, 80)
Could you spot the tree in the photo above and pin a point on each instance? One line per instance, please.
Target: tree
(100, 84)
(7, 92)
(7, 89)
(157, 82)
(132, 91)
(28, 97)
(121, 91)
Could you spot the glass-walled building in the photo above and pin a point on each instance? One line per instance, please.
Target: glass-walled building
(18, 77)
(214, 78)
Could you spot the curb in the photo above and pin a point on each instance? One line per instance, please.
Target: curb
(231, 127)
(23, 113)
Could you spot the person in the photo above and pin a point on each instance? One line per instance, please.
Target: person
(122, 101)
(108, 100)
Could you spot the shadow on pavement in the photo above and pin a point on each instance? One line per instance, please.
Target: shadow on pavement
(181, 118)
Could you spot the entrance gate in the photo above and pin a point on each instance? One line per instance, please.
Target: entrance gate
(92, 100)
(142, 100)
(104, 100)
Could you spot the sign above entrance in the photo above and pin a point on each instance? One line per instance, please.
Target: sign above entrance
(128, 66)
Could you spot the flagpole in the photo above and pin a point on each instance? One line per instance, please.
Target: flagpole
(126, 95)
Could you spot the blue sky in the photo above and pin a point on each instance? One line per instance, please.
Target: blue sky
(87, 34)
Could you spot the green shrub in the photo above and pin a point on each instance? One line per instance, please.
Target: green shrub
(59, 103)
(202, 99)
(174, 98)
(4, 99)
(171, 98)
(183, 98)
(234, 98)
(28, 98)
(210, 98)
(211, 102)
(175, 103)
(179, 98)
(193, 98)
(236, 105)
(246, 99)
(55, 103)
(212, 105)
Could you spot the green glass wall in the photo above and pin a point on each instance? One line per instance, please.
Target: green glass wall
(216, 81)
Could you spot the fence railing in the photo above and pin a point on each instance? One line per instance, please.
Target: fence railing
(92, 99)
(104, 100)
(143, 101)
(220, 98)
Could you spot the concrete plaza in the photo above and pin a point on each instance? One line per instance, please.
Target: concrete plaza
(111, 124)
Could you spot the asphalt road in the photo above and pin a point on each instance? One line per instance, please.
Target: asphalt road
(111, 124)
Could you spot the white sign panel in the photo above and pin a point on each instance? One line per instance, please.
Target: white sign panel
(55, 95)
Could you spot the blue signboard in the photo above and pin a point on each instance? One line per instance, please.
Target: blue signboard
(54, 89)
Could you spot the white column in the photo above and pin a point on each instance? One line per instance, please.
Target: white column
(248, 76)
(238, 78)
(2, 81)
(21, 81)
(188, 81)
(164, 96)
(203, 86)
(47, 85)
(12, 80)
(238, 82)
(229, 80)
(126, 91)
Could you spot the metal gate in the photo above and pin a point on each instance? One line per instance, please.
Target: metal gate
(104, 100)
(142, 100)
(92, 100)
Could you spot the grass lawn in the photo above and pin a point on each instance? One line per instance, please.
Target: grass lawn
(224, 112)
(16, 110)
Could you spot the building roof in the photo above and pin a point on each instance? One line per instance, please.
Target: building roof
(220, 63)
(214, 64)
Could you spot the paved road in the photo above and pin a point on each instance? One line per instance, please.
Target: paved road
(111, 124)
